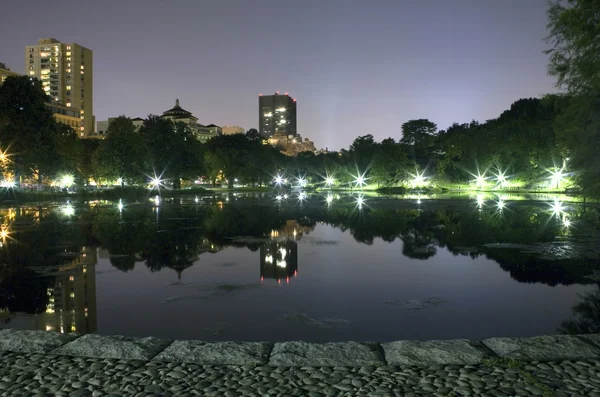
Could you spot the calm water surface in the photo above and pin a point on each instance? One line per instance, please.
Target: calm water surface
(248, 269)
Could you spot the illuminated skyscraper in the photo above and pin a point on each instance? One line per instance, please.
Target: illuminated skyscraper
(277, 115)
(66, 73)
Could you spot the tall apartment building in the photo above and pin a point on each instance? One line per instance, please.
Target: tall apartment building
(276, 115)
(66, 72)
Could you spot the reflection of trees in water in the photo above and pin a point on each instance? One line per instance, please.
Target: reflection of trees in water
(22, 290)
(183, 233)
(586, 315)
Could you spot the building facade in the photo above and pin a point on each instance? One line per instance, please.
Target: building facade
(232, 129)
(66, 115)
(5, 72)
(66, 72)
(276, 115)
(102, 126)
(179, 115)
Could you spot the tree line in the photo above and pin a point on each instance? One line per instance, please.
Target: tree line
(523, 146)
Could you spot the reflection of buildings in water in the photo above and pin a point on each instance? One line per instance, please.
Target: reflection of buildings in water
(72, 296)
(205, 246)
(279, 257)
(279, 260)
(291, 230)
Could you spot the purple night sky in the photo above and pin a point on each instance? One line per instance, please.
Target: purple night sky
(355, 67)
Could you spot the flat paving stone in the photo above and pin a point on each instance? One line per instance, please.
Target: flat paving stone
(326, 354)
(592, 338)
(217, 353)
(120, 347)
(459, 351)
(544, 348)
(23, 341)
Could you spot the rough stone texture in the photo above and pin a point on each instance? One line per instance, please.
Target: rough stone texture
(327, 354)
(32, 341)
(594, 339)
(460, 351)
(543, 348)
(218, 353)
(120, 347)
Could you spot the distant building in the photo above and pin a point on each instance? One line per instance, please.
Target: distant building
(291, 145)
(5, 72)
(180, 115)
(232, 129)
(276, 115)
(102, 126)
(66, 115)
(66, 73)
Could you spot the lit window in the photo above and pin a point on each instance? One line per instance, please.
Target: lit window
(69, 104)
(82, 135)
(81, 66)
(72, 294)
(69, 59)
(68, 87)
(68, 70)
(68, 48)
(68, 53)
(32, 73)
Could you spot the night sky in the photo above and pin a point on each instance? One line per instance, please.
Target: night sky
(355, 67)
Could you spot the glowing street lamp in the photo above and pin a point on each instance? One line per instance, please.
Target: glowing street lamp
(566, 222)
(480, 180)
(301, 196)
(556, 177)
(329, 181)
(418, 179)
(279, 197)
(500, 205)
(8, 183)
(301, 182)
(156, 182)
(67, 180)
(360, 180)
(501, 178)
(279, 180)
(196, 200)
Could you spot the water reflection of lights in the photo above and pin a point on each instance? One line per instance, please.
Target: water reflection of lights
(157, 200)
(480, 201)
(282, 252)
(285, 196)
(501, 178)
(500, 205)
(269, 259)
(360, 200)
(557, 207)
(4, 232)
(301, 182)
(120, 205)
(279, 197)
(68, 210)
(566, 222)
(301, 196)
(329, 199)
(282, 264)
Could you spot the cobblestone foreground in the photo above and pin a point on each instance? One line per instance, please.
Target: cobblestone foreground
(46, 364)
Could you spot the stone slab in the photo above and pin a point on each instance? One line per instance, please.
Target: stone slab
(459, 351)
(353, 354)
(216, 353)
(24, 341)
(594, 339)
(121, 347)
(544, 348)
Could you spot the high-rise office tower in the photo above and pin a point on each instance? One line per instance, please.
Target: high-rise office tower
(276, 114)
(66, 73)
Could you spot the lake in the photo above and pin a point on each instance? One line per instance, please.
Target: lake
(262, 267)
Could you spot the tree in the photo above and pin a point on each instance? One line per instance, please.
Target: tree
(420, 136)
(575, 39)
(123, 154)
(37, 144)
(574, 61)
(175, 152)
